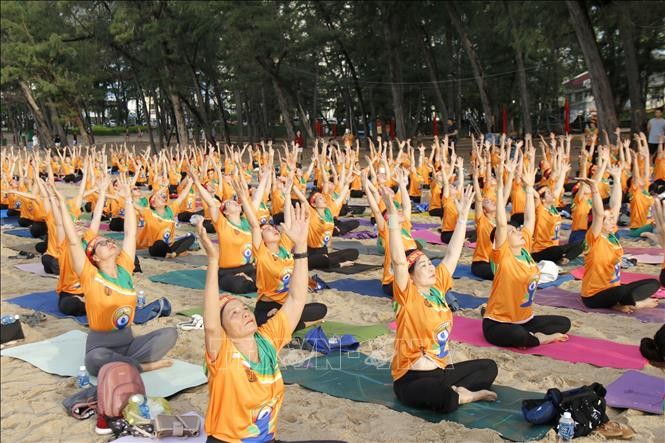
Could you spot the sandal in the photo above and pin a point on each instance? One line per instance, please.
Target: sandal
(196, 322)
(610, 429)
(33, 319)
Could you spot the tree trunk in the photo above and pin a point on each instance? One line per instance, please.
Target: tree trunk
(83, 128)
(160, 121)
(57, 126)
(637, 111)
(202, 113)
(43, 132)
(267, 132)
(304, 119)
(240, 115)
(474, 60)
(433, 70)
(600, 84)
(395, 70)
(181, 125)
(219, 95)
(284, 109)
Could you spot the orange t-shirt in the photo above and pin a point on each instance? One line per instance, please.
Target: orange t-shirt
(425, 171)
(548, 224)
(245, 397)
(641, 203)
(321, 229)
(109, 302)
(424, 323)
(235, 242)
(415, 183)
(517, 198)
(435, 199)
(580, 211)
(514, 285)
(273, 271)
(659, 169)
(277, 201)
(158, 226)
(68, 281)
(602, 263)
(52, 248)
(450, 214)
(407, 240)
(484, 228)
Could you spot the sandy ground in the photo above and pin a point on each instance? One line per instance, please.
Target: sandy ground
(31, 399)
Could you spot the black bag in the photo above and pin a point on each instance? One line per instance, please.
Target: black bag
(11, 332)
(586, 406)
(82, 404)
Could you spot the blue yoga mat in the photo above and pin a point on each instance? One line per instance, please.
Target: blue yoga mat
(46, 302)
(562, 279)
(463, 270)
(22, 232)
(468, 301)
(3, 213)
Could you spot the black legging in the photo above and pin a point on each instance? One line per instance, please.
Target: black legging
(37, 229)
(209, 227)
(388, 289)
(436, 212)
(514, 335)
(311, 312)
(433, 389)
(117, 224)
(69, 304)
(71, 178)
(230, 279)
(51, 265)
(320, 258)
(184, 217)
(41, 246)
(556, 253)
(24, 222)
(625, 295)
(344, 226)
(447, 235)
(13, 213)
(357, 193)
(482, 269)
(160, 248)
(662, 277)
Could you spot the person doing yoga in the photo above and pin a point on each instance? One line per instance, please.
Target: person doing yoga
(423, 376)
(245, 384)
(105, 274)
(508, 319)
(601, 284)
(274, 263)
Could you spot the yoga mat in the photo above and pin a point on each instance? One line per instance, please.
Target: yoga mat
(414, 225)
(634, 390)
(64, 354)
(3, 213)
(648, 259)
(188, 278)
(561, 298)
(195, 260)
(361, 333)
(356, 268)
(349, 376)
(463, 270)
(428, 236)
(560, 280)
(360, 235)
(374, 250)
(597, 352)
(115, 235)
(46, 302)
(21, 232)
(370, 288)
(638, 250)
(626, 277)
(35, 268)
(200, 439)
(468, 301)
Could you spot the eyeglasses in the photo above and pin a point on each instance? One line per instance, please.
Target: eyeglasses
(103, 242)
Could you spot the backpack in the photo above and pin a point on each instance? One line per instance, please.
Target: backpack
(585, 404)
(116, 383)
(320, 342)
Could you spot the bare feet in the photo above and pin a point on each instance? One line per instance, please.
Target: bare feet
(550, 338)
(466, 396)
(153, 365)
(183, 254)
(171, 255)
(626, 309)
(648, 303)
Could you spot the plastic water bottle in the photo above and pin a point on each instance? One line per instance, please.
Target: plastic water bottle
(9, 319)
(82, 379)
(566, 430)
(140, 299)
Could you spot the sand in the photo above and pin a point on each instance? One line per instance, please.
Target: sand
(31, 400)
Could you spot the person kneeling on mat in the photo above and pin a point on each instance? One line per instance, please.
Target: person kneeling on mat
(421, 372)
(241, 357)
(509, 320)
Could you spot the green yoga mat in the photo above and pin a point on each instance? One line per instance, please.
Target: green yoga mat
(114, 235)
(189, 278)
(361, 333)
(349, 376)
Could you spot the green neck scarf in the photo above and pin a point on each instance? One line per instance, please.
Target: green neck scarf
(124, 279)
(267, 364)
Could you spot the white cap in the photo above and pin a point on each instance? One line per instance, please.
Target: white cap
(17, 316)
(567, 415)
(82, 368)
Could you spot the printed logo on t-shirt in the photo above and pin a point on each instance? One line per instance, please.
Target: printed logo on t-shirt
(557, 227)
(141, 223)
(166, 236)
(284, 279)
(247, 253)
(442, 334)
(121, 317)
(260, 427)
(531, 291)
(616, 273)
(122, 212)
(326, 239)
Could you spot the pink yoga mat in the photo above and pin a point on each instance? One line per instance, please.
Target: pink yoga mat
(601, 353)
(428, 236)
(626, 277)
(648, 259)
(652, 251)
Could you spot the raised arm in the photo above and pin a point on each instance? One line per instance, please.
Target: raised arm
(529, 180)
(372, 198)
(213, 331)
(98, 210)
(249, 211)
(459, 235)
(205, 195)
(77, 253)
(397, 255)
(296, 227)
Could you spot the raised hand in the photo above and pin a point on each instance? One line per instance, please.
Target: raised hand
(296, 227)
(212, 251)
(464, 204)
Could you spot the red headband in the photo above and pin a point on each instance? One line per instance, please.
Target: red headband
(312, 199)
(413, 257)
(89, 250)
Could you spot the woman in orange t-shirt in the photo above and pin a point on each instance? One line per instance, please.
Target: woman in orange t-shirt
(508, 319)
(601, 284)
(274, 265)
(245, 385)
(422, 375)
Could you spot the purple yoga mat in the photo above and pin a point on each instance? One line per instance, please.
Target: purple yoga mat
(414, 225)
(359, 235)
(634, 390)
(561, 298)
(428, 236)
(597, 352)
(635, 250)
